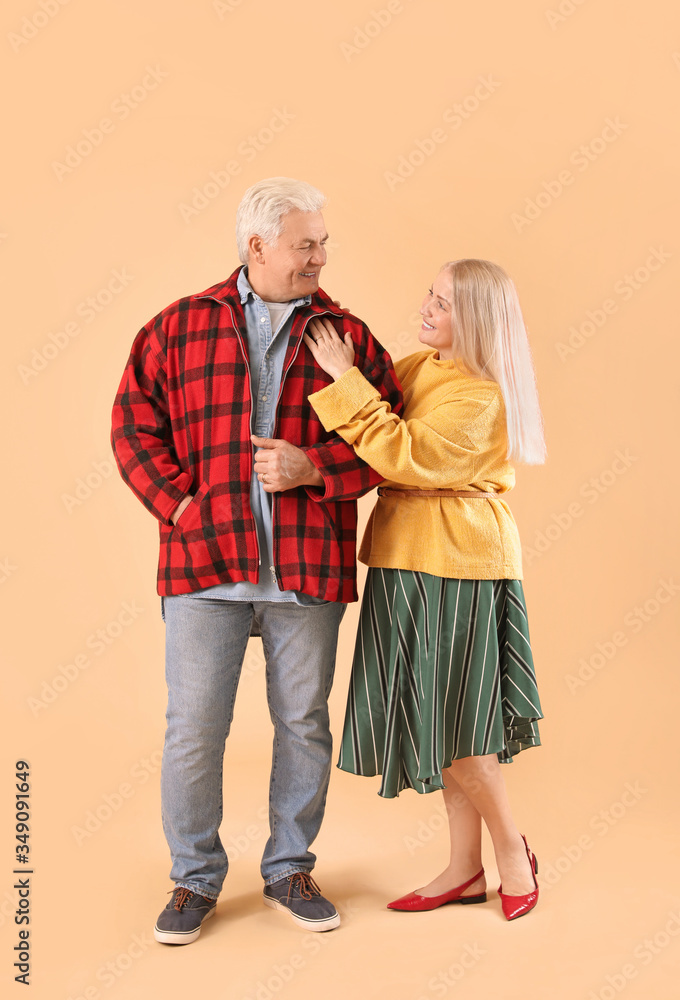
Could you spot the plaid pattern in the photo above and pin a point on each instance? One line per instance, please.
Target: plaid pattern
(181, 424)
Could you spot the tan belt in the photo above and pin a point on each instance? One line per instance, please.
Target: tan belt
(387, 491)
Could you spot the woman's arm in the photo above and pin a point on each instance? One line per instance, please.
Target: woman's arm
(438, 449)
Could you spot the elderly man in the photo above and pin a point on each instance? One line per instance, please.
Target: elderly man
(257, 537)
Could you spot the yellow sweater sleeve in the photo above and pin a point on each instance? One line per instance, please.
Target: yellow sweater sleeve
(436, 450)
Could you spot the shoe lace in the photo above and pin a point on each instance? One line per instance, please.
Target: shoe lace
(305, 885)
(182, 897)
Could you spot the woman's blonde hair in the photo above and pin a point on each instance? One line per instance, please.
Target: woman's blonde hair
(490, 341)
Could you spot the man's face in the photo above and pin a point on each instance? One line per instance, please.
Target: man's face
(291, 268)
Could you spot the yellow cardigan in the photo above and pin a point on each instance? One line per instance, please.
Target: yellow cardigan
(452, 436)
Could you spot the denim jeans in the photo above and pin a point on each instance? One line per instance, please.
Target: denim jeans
(205, 645)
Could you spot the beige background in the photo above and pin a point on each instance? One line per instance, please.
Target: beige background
(350, 97)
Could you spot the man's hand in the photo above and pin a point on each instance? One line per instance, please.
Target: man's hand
(281, 466)
(180, 508)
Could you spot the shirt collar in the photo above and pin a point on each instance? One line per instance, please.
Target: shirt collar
(245, 289)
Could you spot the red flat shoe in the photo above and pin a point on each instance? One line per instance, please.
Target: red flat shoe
(414, 901)
(517, 906)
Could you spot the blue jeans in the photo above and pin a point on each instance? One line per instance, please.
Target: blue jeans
(205, 644)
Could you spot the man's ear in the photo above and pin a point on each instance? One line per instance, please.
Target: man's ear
(256, 249)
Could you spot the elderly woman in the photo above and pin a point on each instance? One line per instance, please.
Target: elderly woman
(443, 688)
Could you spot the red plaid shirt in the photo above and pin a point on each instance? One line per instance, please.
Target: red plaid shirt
(181, 424)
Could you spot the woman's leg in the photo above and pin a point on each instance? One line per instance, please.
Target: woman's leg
(481, 781)
(465, 828)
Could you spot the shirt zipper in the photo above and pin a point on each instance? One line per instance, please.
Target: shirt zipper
(326, 312)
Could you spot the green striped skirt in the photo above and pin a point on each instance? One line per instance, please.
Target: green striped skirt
(442, 669)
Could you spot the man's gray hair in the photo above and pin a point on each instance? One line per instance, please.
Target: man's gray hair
(264, 204)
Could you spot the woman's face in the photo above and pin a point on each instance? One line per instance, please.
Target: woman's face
(437, 330)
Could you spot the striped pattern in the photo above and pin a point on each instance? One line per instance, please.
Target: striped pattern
(442, 669)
